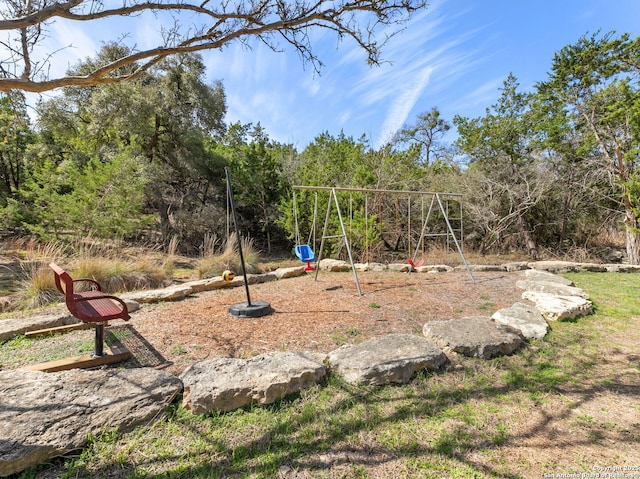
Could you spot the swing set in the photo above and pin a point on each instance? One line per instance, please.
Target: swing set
(438, 201)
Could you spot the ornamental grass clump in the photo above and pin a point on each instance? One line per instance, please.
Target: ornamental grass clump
(87, 259)
(212, 264)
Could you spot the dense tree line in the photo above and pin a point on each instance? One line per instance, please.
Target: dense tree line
(554, 169)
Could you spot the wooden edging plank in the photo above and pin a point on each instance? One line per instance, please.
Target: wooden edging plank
(57, 329)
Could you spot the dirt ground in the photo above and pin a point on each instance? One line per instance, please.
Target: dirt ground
(315, 314)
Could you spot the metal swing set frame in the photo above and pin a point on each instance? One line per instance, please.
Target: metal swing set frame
(306, 254)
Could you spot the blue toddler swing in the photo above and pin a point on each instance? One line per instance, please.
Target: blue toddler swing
(303, 251)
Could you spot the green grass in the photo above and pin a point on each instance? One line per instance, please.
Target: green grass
(463, 423)
(20, 351)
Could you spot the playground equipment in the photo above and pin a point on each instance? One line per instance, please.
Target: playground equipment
(436, 203)
(304, 252)
(246, 309)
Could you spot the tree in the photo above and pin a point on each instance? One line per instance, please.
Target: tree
(501, 156)
(210, 25)
(15, 137)
(166, 120)
(256, 168)
(577, 208)
(597, 81)
(101, 199)
(427, 135)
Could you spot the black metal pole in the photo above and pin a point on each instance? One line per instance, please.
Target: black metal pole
(98, 347)
(235, 224)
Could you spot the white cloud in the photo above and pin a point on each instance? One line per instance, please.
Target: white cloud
(69, 44)
(402, 106)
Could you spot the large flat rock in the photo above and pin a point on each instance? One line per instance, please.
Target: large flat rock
(542, 275)
(292, 272)
(334, 265)
(43, 415)
(387, 359)
(226, 384)
(548, 287)
(555, 308)
(170, 293)
(476, 337)
(567, 266)
(523, 317)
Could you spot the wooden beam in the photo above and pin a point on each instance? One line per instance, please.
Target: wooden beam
(58, 329)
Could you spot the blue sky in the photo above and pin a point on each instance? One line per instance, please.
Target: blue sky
(454, 56)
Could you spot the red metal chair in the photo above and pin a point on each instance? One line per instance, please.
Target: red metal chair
(93, 306)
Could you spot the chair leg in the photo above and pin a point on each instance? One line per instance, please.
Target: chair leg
(98, 350)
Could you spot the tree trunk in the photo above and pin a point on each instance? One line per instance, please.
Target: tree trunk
(532, 248)
(633, 237)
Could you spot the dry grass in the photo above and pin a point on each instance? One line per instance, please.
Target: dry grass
(213, 263)
(82, 259)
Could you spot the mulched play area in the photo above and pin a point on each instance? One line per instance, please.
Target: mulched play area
(309, 314)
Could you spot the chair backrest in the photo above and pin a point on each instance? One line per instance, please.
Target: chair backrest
(62, 276)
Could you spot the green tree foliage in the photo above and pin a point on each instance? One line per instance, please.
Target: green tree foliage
(597, 82)
(578, 207)
(256, 165)
(375, 222)
(427, 135)
(15, 138)
(101, 199)
(165, 122)
(503, 163)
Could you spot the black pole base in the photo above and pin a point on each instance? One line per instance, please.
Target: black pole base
(98, 348)
(254, 310)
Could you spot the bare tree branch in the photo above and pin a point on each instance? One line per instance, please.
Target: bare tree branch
(211, 26)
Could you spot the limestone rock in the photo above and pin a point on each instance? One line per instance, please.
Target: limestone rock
(225, 384)
(334, 265)
(377, 267)
(399, 267)
(593, 267)
(555, 308)
(132, 306)
(12, 327)
(387, 359)
(475, 336)
(293, 272)
(482, 267)
(555, 289)
(555, 266)
(541, 275)
(255, 279)
(623, 268)
(435, 268)
(171, 293)
(43, 415)
(516, 266)
(524, 318)
(206, 284)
